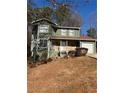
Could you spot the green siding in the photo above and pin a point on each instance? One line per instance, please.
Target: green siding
(58, 33)
(51, 30)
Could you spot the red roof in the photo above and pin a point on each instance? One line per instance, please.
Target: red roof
(85, 37)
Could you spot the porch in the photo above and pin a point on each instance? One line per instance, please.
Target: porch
(60, 46)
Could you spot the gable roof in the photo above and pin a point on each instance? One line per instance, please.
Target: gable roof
(43, 19)
(54, 24)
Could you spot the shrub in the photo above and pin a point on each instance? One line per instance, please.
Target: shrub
(81, 51)
(71, 53)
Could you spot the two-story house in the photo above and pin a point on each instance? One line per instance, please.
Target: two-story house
(49, 39)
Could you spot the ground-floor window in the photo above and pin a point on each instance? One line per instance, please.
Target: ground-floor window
(74, 43)
(63, 43)
(71, 43)
(56, 42)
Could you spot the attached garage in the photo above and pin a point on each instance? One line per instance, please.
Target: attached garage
(90, 44)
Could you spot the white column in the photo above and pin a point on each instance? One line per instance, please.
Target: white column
(66, 46)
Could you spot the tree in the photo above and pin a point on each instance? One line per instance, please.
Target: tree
(30, 5)
(30, 17)
(73, 20)
(91, 33)
(34, 13)
(64, 12)
(61, 13)
(44, 12)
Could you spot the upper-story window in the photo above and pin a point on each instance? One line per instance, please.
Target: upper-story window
(63, 32)
(71, 32)
(43, 28)
(42, 43)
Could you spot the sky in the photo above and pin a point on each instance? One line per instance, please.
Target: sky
(85, 10)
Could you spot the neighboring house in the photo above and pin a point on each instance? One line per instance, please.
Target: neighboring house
(48, 36)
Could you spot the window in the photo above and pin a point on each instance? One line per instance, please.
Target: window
(56, 42)
(42, 43)
(71, 33)
(43, 28)
(63, 32)
(63, 43)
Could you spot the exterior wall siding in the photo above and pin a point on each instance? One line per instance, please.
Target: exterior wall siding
(58, 33)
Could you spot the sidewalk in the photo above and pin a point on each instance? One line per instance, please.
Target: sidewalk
(92, 55)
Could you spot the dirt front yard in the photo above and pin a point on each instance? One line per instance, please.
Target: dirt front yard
(72, 75)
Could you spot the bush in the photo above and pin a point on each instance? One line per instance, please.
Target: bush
(63, 54)
(44, 55)
(81, 51)
(71, 53)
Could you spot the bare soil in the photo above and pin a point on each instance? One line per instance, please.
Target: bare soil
(72, 75)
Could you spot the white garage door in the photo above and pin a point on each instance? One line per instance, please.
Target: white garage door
(89, 46)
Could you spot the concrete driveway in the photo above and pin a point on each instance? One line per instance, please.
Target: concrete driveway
(92, 55)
